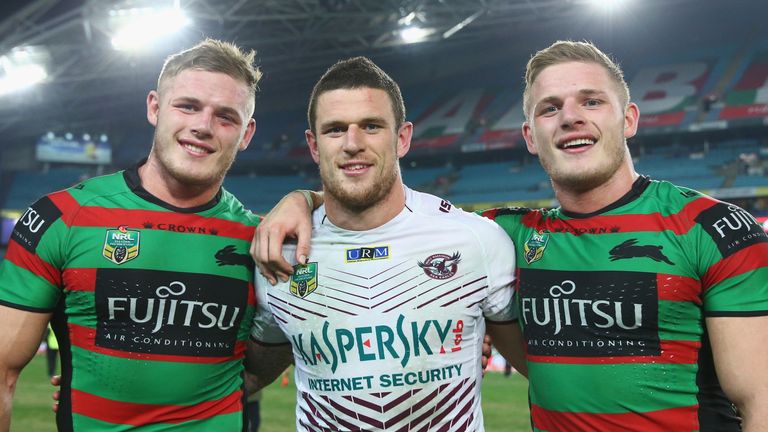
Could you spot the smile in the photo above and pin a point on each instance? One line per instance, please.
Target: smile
(577, 143)
(196, 149)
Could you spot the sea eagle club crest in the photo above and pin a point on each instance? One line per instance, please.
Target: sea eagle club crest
(304, 279)
(121, 245)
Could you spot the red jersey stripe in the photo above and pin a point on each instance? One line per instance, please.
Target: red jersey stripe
(251, 294)
(139, 414)
(745, 260)
(67, 204)
(80, 279)
(678, 288)
(673, 419)
(674, 352)
(26, 260)
(85, 338)
(679, 223)
(91, 216)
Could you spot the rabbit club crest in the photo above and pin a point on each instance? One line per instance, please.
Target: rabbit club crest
(533, 249)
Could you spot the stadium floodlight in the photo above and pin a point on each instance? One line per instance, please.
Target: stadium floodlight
(608, 6)
(414, 34)
(22, 68)
(140, 28)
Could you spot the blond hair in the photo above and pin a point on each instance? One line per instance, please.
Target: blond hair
(571, 51)
(213, 55)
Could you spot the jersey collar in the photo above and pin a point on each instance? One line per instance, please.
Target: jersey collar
(132, 179)
(638, 187)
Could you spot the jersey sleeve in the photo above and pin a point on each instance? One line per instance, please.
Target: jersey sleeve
(733, 261)
(265, 328)
(31, 273)
(499, 259)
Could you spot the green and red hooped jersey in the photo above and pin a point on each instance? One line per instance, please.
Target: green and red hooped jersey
(152, 304)
(613, 307)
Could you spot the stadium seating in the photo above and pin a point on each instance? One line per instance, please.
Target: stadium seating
(27, 187)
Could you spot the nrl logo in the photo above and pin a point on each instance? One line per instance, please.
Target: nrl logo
(533, 249)
(121, 245)
(304, 279)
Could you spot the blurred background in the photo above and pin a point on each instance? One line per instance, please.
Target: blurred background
(74, 75)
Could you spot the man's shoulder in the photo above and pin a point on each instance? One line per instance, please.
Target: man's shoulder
(237, 211)
(95, 187)
(441, 214)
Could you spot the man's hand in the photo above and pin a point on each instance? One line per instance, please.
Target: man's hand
(290, 218)
(56, 381)
(486, 351)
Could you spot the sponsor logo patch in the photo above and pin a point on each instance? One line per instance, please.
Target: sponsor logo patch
(367, 254)
(445, 206)
(121, 245)
(533, 249)
(304, 279)
(172, 313)
(441, 266)
(732, 228)
(590, 314)
(34, 223)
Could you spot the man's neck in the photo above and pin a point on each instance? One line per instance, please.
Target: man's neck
(597, 198)
(158, 182)
(372, 217)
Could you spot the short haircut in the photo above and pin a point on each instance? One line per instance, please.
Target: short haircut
(213, 55)
(354, 73)
(571, 51)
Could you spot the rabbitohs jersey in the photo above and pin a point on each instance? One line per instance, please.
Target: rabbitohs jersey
(152, 304)
(387, 325)
(613, 304)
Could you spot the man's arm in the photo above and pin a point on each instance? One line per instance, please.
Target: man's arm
(740, 351)
(265, 363)
(508, 339)
(291, 217)
(20, 336)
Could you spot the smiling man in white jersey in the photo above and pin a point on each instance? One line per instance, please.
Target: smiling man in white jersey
(386, 321)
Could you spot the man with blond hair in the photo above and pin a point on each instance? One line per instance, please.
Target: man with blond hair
(152, 320)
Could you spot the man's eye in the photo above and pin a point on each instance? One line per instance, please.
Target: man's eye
(549, 109)
(592, 102)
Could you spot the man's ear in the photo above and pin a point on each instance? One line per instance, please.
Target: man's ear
(153, 106)
(312, 144)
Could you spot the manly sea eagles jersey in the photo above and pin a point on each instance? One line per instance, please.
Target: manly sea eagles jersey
(152, 304)
(386, 325)
(613, 307)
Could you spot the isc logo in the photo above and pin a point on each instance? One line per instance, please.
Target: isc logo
(367, 253)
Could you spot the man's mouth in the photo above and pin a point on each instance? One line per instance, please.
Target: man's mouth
(355, 168)
(196, 149)
(577, 143)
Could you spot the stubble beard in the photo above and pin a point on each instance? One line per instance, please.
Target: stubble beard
(585, 180)
(356, 198)
(175, 169)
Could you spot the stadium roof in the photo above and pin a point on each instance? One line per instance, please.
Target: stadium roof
(91, 84)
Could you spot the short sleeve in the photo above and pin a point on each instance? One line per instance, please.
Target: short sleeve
(499, 258)
(31, 273)
(733, 260)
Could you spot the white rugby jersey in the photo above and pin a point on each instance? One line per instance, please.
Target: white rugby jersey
(387, 325)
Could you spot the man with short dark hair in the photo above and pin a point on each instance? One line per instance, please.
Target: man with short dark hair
(386, 321)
